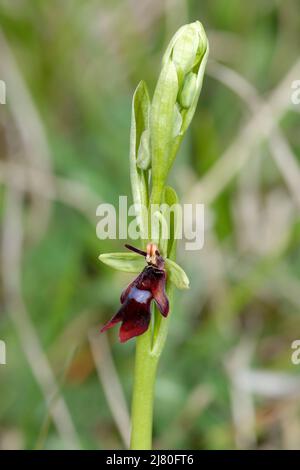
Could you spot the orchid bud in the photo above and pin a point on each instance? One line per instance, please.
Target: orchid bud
(189, 90)
(175, 99)
(143, 160)
(185, 48)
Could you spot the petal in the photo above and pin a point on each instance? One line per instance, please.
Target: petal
(136, 314)
(127, 289)
(115, 319)
(125, 292)
(154, 279)
(134, 327)
(160, 297)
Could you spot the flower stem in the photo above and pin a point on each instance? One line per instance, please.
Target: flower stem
(143, 393)
(149, 347)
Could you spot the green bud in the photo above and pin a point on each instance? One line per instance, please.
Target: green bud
(192, 87)
(189, 90)
(184, 53)
(144, 154)
(175, 99)
(177, 121)
(186, 48)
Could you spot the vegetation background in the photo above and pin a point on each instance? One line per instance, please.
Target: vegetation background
(226, 379)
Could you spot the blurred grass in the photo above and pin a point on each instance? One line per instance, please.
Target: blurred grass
(81, 64)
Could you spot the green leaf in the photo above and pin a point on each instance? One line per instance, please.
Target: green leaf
(126, 262)
(140, 118)
(177, 275)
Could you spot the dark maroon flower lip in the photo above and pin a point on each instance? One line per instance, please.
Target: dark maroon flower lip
(136, 298)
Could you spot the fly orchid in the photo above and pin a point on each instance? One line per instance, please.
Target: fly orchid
(136, 298)
(157, 130)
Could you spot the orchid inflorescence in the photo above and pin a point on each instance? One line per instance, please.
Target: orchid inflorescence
(157, 130)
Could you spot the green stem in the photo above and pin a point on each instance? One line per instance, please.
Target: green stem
(148, 350)
(143, 393)
(143, 387)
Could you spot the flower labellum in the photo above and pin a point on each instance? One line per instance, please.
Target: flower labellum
(135, 313)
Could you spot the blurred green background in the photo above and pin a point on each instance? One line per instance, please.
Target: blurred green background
(226, 379)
